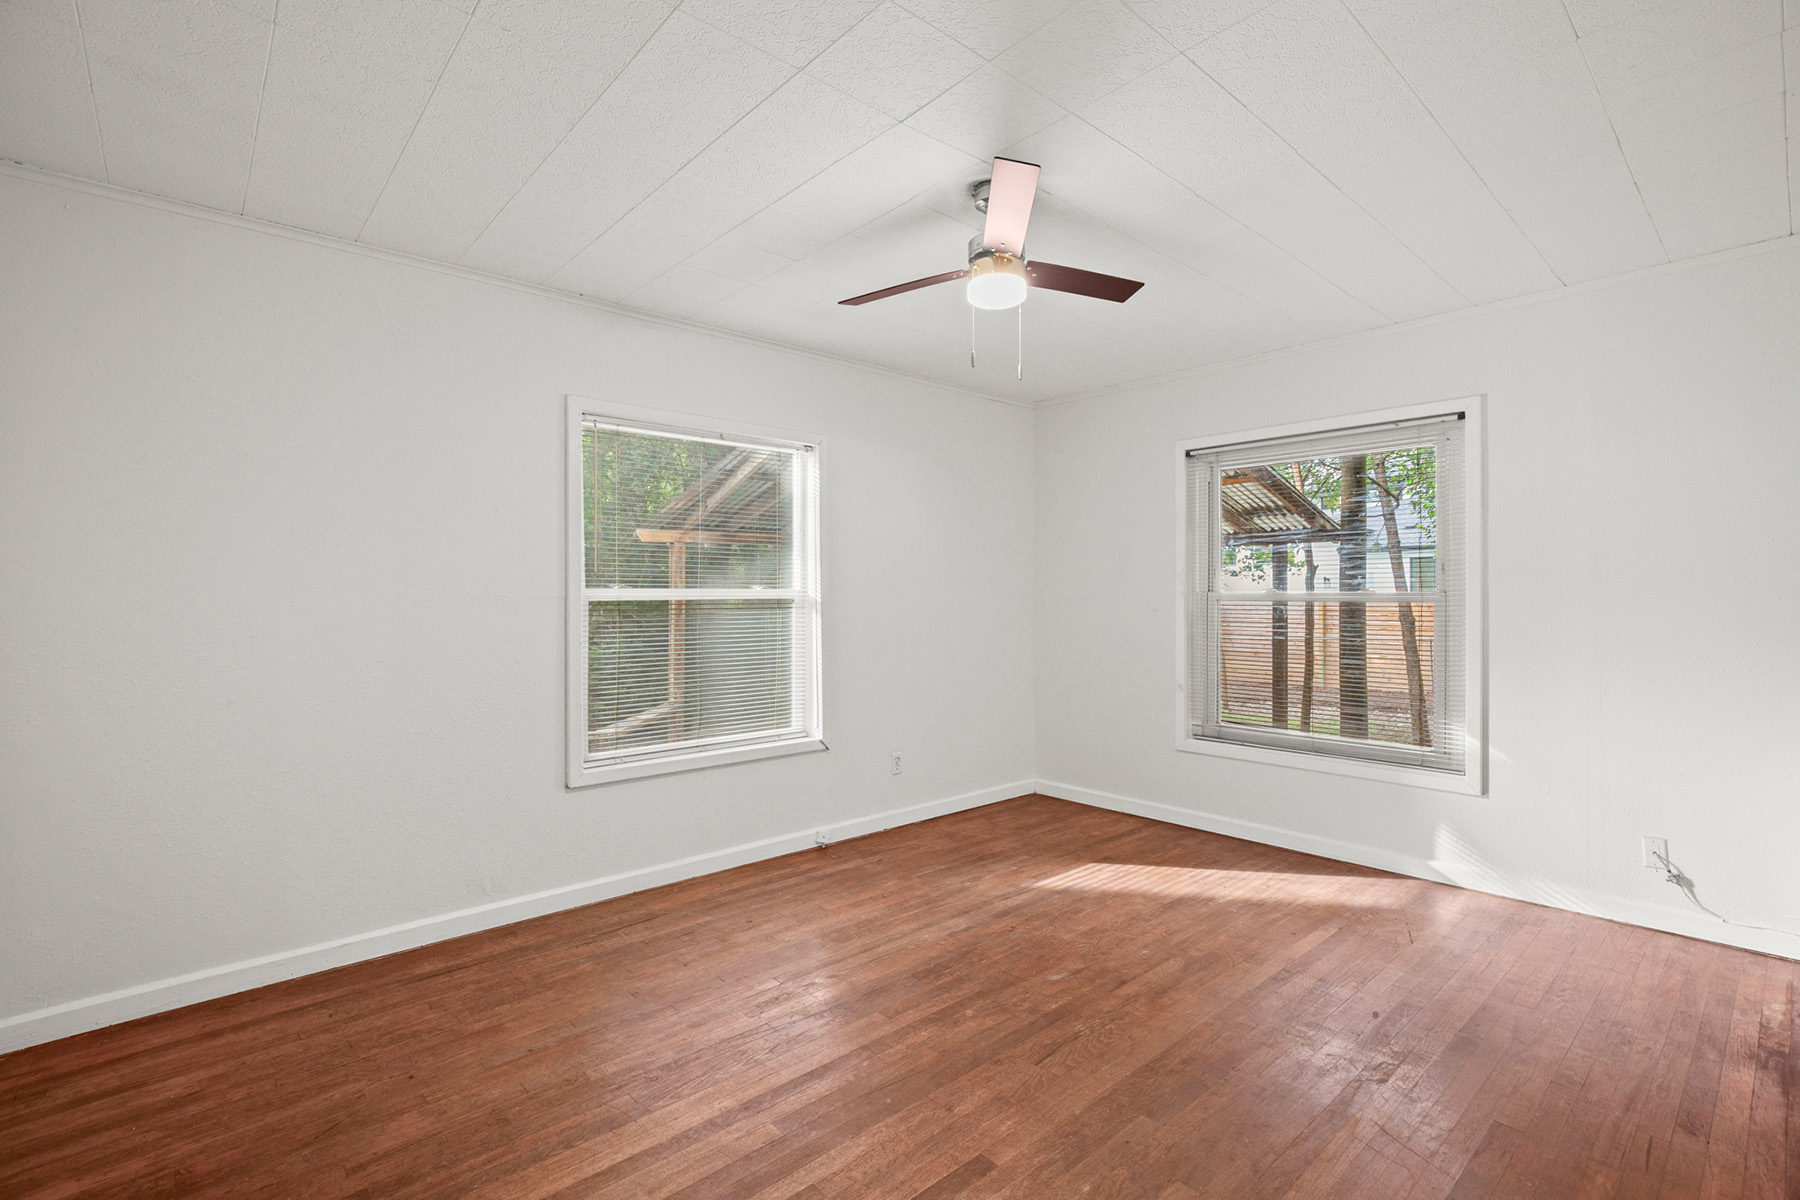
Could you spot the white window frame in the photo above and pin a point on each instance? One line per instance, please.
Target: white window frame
(1472, 780)
(809, 597)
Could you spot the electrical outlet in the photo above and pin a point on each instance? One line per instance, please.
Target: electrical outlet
(894, 765)
(1652, 848)
(821, 838)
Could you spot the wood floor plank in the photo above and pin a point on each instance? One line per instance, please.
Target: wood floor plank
(1025, 1001)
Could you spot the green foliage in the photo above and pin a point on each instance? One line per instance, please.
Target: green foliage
(1411, 481)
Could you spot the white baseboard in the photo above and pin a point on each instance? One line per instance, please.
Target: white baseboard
(110, 1008)
(1686, 922)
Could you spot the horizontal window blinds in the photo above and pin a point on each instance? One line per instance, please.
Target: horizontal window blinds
(700, 564)
(1326, 601)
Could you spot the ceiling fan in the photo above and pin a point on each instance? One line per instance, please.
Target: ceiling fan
(998, 272)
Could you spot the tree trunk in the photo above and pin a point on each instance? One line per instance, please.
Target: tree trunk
(1306, 669)
(1278, 645)
(1409, 635)
(1353, 573)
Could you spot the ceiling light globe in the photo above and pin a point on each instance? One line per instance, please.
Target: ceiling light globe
(996, 291)
(996, 280)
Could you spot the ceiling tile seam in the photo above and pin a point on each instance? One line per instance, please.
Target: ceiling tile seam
(1612, 127)
(1054, 13)
(219, 216)
(1246, 298)
(1238, 100)
(418, 119)
(1787, 134)
(1454, 144)
(551, 152)
(1654, 271)
(892, 125)
(1278, 249)
(87, 65)
(262, 97)
(869, 16)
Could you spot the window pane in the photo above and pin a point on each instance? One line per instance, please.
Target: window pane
(1360, 671)
(664, 511)
(663, 672)
(1342, 524)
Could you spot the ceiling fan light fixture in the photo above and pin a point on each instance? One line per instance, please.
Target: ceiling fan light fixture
(997, 281)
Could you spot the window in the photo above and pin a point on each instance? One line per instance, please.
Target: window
(694, 606)
(1326, 605)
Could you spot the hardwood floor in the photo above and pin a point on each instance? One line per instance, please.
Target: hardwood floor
(1032, 1000)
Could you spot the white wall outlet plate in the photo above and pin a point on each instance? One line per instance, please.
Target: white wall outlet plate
(1652, 848)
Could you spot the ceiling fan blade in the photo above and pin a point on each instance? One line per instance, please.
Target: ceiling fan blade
(1010, 193)
(1082, 283)
(914, 286)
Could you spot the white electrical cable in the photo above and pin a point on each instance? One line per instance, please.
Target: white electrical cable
(1673, 874)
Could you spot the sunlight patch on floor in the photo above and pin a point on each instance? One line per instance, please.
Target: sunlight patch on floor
(1276, 887)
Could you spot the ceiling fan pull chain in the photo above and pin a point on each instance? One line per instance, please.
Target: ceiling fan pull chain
(1021, 312)
(971, 337)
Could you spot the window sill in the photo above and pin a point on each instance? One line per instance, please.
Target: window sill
(1469, 784)
(583, 775)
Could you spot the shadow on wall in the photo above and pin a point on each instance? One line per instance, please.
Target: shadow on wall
(1461, 864)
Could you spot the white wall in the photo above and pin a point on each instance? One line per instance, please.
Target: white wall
(281, 613)
(1642, 449)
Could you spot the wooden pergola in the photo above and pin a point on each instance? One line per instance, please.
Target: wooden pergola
(1260, 507)
(734, 503)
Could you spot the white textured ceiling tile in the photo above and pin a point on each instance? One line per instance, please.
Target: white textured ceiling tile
(874, 178)
(749, 310)
(1268, 331)
(1186, 23)
(46, 113)
(795, 31)
(176, 85)
(340, 99)
(1589, 16)
(686, 86)
(1791, 70)
(783, 233)
(746, 264)
(53, 10)
(1507, 81)
(1307, 68)
(1719, 183)
(1585, 215)
(1091, 49)
(895, 62)
(1217, 245)
(1388, 20)
(985, 113)
(683, 215)
(681, 291)
(1184, 123)
(990, 27)
(1790, 14)
(790, 137)
(1085, 168)
(407, 37)
(917, 227)
(611, 269)
(810, 282)
(1300, 211)
(1675, 35)
(521, 77)
(1657, 110)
